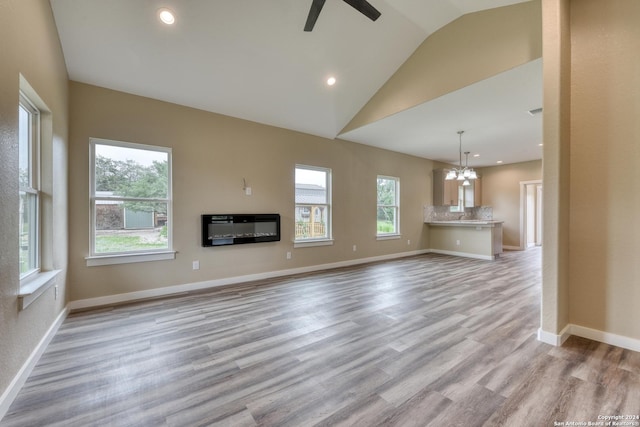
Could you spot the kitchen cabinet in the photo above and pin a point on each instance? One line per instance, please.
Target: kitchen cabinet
(445, 193)
(449, 193)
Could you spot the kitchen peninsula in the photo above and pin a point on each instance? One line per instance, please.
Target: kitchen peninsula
(472, 233)
(472, 238)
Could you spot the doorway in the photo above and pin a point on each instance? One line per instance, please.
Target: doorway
(530, 214)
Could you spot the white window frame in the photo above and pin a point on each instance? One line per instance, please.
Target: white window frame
(323, 241)
(35, 282)
(33, 187)
(396, 206)
(96, 259)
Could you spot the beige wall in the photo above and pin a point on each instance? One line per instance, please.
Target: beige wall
(29, 45)
(501, 191)
(211, 156)
(472, 48)
(605, 164)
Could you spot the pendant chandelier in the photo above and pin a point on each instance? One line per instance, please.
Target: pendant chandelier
(462, 173)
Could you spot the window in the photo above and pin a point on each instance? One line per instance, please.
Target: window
(29, 186)
(313, 204)
(35, 136)
(388, 217)
(130, 202)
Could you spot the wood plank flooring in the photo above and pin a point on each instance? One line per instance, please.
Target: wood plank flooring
(429, 340)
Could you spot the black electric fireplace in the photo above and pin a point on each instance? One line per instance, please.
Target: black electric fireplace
(234, 229)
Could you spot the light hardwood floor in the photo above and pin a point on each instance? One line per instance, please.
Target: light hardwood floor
(428, 340)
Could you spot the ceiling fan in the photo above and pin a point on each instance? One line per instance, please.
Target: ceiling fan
(362, 6)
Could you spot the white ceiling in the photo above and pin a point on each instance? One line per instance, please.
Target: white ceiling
(493, 113)
(250, 59)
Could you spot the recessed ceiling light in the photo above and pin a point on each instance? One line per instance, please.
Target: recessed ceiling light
(540, 145)
(331, 81)
(167, 16)
(476, 155)
(499, 162)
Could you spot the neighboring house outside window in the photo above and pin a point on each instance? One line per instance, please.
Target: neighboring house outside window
(29, 186)
(388, 209)
(313, 204)
(130, 202)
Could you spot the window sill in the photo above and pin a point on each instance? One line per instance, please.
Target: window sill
(388, 236)
(312, 243)
(35, 286)
(97, 260)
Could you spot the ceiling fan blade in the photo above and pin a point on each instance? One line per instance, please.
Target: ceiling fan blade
(316, 7)
(364, 7)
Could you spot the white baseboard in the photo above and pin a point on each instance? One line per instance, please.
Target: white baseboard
(553, 339)
(207, 284)
(592, 334)
(462, 254)
(606, 337)
(18, 381)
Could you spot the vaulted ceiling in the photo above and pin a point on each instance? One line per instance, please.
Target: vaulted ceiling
(251, 59)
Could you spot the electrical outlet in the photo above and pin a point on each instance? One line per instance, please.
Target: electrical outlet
(247, 191)
(355, 248)
(196, 265)
(408, 242)
(457, 242)
(288, 255)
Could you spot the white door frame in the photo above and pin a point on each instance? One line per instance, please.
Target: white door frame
(523, 211)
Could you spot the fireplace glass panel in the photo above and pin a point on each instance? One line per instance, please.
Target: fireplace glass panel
(218, 230)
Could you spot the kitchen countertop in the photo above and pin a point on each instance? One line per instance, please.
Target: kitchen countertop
(470, 222)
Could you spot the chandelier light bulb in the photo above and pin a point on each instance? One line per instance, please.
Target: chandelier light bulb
(462, 173)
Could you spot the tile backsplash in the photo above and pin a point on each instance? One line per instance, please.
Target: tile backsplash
(442, 213)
